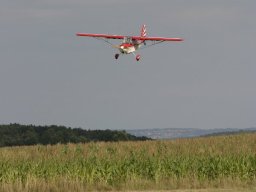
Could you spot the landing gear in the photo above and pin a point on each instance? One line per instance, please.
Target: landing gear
(116, 56)
(137, 57)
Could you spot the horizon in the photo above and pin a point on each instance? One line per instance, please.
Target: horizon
(133, 129)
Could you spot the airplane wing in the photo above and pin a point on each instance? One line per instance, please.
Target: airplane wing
(100, 35)
(107, 37)
(156, 39)
(133, 37)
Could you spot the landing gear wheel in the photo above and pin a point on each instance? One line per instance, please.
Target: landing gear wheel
(137, 57)
(116, 56)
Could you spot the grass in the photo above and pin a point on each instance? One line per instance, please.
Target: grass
(196, 163)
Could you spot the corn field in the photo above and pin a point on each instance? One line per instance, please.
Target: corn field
(209, 162)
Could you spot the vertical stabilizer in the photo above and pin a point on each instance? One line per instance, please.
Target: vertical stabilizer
(143, 32)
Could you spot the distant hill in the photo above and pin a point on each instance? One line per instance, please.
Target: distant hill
(174, 133)
(17, 135)
(230, 133)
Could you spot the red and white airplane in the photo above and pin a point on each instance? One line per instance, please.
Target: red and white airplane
(130, 44)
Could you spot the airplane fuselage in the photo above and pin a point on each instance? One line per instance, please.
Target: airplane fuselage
(129, 45)
(127, 48)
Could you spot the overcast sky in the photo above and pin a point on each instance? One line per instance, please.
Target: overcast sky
(50, 76)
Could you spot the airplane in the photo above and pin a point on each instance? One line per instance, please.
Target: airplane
(130, 44)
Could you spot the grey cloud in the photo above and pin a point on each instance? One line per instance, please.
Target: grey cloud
(50, 76)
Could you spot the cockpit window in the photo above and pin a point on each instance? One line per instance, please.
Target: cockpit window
(127, 40)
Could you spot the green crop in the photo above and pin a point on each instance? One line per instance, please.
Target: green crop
(225, 161)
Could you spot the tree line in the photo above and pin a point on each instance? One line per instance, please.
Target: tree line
(18, 135)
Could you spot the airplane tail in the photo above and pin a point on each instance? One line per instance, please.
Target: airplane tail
(143, 32)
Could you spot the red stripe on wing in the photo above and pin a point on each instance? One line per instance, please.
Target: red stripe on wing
(100, 35)
(156, 38)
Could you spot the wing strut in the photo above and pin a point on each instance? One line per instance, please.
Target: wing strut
(154, 43)
(105, 40)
